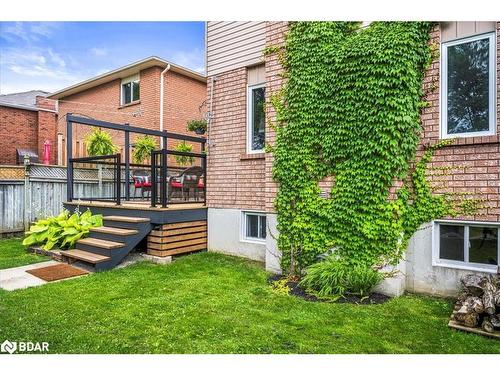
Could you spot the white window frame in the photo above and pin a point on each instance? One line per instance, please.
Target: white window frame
(465, 265)
(249, 118)
(134, 78)
(243, 234)
(491, 87)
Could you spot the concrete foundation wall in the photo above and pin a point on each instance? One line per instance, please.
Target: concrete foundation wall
(224, 235)
(421, 275)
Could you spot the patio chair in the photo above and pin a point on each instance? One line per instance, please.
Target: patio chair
(142, 182)
(189, 179)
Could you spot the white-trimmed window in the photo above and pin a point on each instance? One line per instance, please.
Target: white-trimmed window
(466, 245)
(256, 118)
(254, 226)
(130, 90)
(468, 87)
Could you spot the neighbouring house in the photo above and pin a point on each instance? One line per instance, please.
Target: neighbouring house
(28, 123)
(133, 95)
(240, 188)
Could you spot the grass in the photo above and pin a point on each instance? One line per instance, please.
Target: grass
(211, 303)
(13, 254)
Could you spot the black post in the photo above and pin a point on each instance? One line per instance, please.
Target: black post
(204, 166)
(69, 164)
(154, 181)
(163, 179)
(127, 164)
(118, 159)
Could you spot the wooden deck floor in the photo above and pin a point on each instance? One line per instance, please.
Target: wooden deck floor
(139, 205)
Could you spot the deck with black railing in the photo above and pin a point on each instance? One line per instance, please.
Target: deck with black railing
(134, 198)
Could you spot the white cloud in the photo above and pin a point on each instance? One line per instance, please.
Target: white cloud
(99, 52)
(56, 58)
(28, 31)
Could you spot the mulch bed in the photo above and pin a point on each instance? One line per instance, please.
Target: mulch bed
(57, 272)
(297, 291)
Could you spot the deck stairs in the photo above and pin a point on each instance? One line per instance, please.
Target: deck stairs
(108, 245)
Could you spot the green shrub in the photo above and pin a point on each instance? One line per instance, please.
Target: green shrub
(61, 231)
(336, 277)
(182, 159)
(99, 142)
(142, 149)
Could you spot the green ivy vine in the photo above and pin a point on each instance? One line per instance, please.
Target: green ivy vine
(350, 110)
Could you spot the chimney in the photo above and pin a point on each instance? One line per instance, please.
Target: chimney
(44, 103)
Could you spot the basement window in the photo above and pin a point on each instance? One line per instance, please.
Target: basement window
(254, 226)
(130, 90)
(468, 87)
(466, 245)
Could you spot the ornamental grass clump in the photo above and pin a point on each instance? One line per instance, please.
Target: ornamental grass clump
(335, 277)
(61, 231)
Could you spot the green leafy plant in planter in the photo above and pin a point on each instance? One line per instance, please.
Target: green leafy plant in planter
(99, 142)
(61, 231)
(184, 160)
(142, 149)
(197, 126)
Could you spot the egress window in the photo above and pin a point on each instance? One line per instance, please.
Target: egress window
(256, 121)
(130, 90)
(468, 86)
(254, 226)
(467, 246)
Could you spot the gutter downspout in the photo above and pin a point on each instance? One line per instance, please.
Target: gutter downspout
(161, 101)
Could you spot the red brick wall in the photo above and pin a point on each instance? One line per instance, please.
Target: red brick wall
(475, 161)
(18, 129)
(182, 97)
(235, 180)
(47, 131)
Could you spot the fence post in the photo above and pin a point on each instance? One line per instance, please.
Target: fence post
(154, 181)
(118, 159)
(163, 178)
(27, 194)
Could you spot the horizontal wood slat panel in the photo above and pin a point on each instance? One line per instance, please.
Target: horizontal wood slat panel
(177, 238)
(175, 245)
(183, 225)
(174, 232)
(166, 253)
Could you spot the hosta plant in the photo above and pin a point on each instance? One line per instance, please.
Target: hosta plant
(61, 231)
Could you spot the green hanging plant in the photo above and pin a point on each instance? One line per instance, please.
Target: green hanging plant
(99, 142)
(184, 160)
(142, 149)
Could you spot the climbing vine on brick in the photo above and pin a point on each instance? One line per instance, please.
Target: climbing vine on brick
(350, 111)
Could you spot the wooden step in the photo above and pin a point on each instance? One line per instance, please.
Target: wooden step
(127, 219)
(85, 256)
(117, 231)
(100, 243)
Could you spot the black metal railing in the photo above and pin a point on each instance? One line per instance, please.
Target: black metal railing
(170, 178)
(162, 172)
(105, 170)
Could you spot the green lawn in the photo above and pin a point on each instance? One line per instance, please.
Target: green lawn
(211, 303)
(13, 254)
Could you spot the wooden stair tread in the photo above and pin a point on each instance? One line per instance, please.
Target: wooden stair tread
(85, 256)
(127, 219)
(112, 230)
(100, 243)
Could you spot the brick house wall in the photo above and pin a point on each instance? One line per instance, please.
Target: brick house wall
(27, 129)
(182, 99)
(18, 129)
(475, 161)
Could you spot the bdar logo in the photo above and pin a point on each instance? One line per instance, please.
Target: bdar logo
(8, 347)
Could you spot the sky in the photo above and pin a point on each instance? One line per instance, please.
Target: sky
(49, 56)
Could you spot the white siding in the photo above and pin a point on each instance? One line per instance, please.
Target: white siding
(232, 45)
